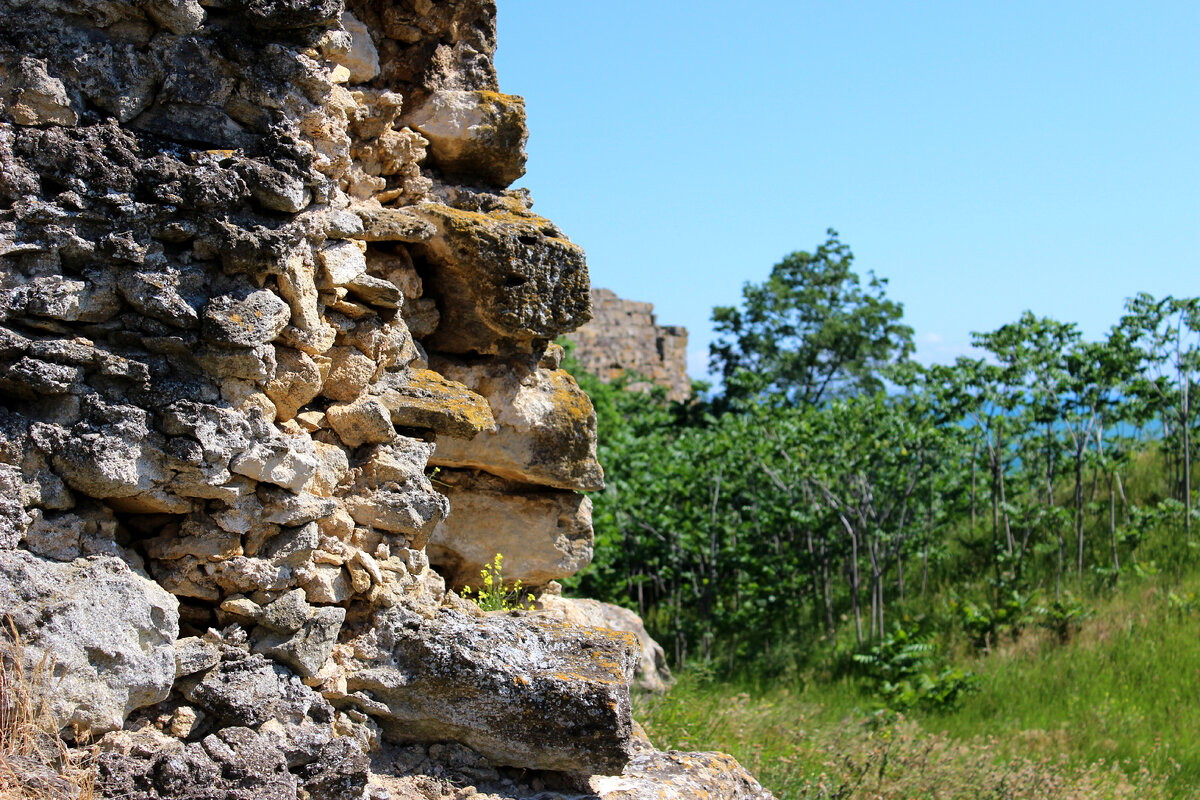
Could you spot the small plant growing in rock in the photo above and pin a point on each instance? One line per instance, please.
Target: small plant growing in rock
(492, 596)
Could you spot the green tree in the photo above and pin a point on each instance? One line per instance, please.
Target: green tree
(1167, 335)
(811, 330)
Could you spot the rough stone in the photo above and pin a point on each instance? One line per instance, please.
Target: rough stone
(233, 764)
(248, 321)
(422, 398)
(673, 775)
(545, 425)
(481, 134)
(297, 381)
(521, 691)
(364, 421)
(388, 224)
(543, 535)
(362, 59)
(109, 633)
(294, 633)
(651, 673)
(504, 279)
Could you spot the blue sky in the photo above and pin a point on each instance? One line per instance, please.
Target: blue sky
(985, 157)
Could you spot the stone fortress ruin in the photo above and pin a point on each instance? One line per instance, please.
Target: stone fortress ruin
(276, 379)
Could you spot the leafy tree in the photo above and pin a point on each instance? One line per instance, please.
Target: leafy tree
(811, 330)
(1167, 335)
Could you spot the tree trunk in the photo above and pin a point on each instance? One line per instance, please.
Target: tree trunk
(1112, 523)
(1079, 514)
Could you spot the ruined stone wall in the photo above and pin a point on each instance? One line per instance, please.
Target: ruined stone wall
(624, 337)
(274, 380)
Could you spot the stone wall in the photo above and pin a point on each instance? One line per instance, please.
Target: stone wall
(624, 337)
(268, 316)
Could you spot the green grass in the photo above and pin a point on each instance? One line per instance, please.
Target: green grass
(1111, 714)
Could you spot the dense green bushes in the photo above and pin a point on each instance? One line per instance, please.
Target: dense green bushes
(751, 523)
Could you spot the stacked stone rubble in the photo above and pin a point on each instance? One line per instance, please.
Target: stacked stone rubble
(624, 338)
(268, 315)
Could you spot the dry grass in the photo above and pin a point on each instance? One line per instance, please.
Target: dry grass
(35, 763)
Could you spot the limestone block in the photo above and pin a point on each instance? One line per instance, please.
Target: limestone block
(543, 535)
(13, 520)
(673, 775)
(231, 764)
(343, 262)
(297, 634)
(365, 421)
(545, 425)
(332, 466)
(475, 135)
(249, 691)
(38, 98)
(56, 297)
(297, 381)
(196, 537)
(520, 690)
(375, 291)
(248, 321)
(651, 673)
(109, 632)
(111, 454)
(181, 17)
(421, 398)
(503, 279)
(361, 59)
(287, 461)
(349, 374)
(392, 493)
(193, 654)
(388, 224)
(328, 584)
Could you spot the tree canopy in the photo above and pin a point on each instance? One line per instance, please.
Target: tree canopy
(811, 331)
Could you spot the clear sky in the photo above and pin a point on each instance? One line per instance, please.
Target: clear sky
(986, 157)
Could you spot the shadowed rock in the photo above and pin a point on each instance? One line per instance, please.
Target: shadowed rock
(520, 690)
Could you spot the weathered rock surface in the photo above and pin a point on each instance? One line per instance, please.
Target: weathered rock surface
(545, 425)
(651, 673)
(479, 134)
(505, 279)
(543, 535)
(673, 775)
(519, 690)
(108, 633)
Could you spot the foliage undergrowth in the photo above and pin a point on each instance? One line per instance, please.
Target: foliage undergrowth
(1107, 713)
(799, 751)
(35, 763)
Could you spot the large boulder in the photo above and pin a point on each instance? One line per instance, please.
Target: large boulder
(522, 691)
(480, 135)
(502, 279)
(651, 672)
(545, 425)
(108, 634)
(544, 535)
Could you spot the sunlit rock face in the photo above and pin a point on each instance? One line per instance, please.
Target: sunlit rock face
(268, 312)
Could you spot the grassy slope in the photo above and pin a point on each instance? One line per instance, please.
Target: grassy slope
(1111, 714)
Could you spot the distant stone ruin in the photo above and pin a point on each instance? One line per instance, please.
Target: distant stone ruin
(625, 338)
